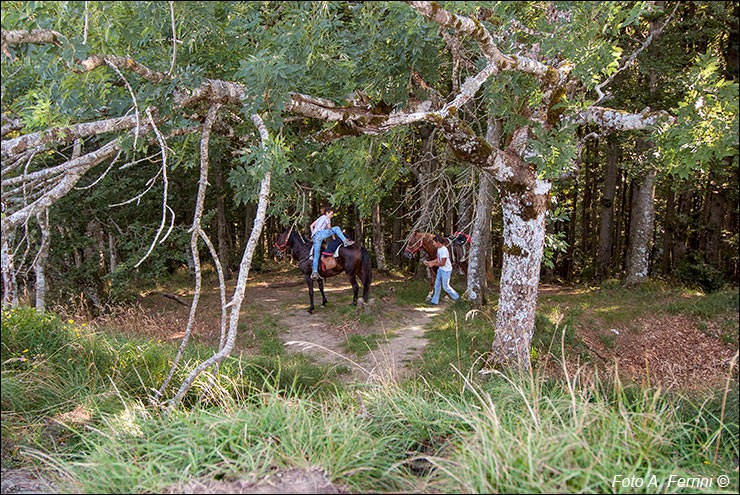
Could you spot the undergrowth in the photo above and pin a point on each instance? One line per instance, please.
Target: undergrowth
(446, 430)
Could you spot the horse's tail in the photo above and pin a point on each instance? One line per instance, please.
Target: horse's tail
(367, 274)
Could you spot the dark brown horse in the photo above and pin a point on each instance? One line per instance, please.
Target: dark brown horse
(423, 240)
(353, 260)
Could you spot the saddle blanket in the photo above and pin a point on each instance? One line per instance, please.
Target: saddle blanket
(332, 249)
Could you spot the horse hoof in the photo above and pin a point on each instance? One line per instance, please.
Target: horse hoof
(323, 305)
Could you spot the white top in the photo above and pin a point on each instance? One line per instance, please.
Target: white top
(442, 252)
(322, 223)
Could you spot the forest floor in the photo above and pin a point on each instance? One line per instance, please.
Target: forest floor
(650, 337)
(372, 347)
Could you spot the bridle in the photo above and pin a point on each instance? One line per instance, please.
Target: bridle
(282, 247)
(414, 250)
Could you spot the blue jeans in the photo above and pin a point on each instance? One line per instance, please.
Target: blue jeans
(443, 280)
(319, 236)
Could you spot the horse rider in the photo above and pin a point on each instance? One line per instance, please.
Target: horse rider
(443, 272)
(321, 229)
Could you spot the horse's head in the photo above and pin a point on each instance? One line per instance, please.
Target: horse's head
(281, 243)
(416, 239)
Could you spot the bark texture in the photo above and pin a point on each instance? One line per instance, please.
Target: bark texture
(641, 230)
(607, 211)
(379, 238)
(524, 238)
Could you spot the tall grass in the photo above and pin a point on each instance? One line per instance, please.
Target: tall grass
(468, 434)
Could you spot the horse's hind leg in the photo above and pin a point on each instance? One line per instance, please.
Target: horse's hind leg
(321, 288)
(355, 288)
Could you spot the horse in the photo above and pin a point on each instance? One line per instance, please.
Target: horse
(353, 260)
(456, 243)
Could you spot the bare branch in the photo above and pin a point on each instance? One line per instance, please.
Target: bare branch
(174, 37)
(633, 57)
(163, 146)
(11, 147)
(618, 120)
(196, 232)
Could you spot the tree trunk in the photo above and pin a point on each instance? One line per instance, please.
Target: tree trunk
(41, 260)
(641, 230)
(607, 210)
(378, 238)
(10, 287)
(668, 228)
(715, 219)
(250, 209)
(568, 267)
(396, 240)
(112, 253)
(449, 211)
(465, 208)
(222, 227)
(481, 235)
(586, 233)
(524, 238)
(358, 237)
(480, 243)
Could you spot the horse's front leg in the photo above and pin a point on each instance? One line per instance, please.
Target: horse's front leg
(321, 288)
(355, 288)
(433, 271)
(309, 282)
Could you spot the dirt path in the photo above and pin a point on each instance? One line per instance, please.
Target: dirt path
(323, 333)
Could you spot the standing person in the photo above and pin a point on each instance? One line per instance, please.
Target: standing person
(321, 229)
(443, 272)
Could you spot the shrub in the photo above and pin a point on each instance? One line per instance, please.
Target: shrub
(695, 272)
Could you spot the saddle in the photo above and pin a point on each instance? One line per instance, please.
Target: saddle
(329, 254)
(458, 243)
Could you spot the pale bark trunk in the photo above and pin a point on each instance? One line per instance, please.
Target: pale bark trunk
(10, 287)
(196, 232)
(41, 260)
(524, 238)
(378, 238)
(641, 230)
(607, 211)
(236, 301)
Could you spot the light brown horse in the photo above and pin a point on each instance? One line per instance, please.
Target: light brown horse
(423, 240)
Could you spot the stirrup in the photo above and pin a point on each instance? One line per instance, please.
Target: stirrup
(315, 276)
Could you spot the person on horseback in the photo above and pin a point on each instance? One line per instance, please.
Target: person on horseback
(444, 271)
(321, 229)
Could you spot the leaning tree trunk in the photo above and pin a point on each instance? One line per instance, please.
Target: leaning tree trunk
(607, 211)
(641, 230)
(41, 260)
(524, 243)
(378, 238)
